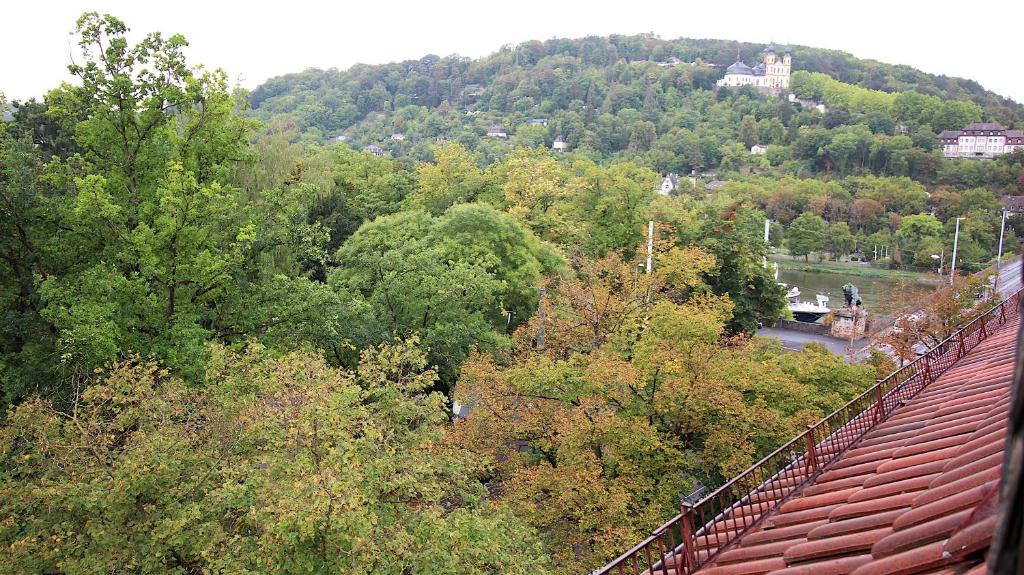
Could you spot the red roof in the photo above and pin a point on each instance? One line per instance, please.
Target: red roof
(916, 494)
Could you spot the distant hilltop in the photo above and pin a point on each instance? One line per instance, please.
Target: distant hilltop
(603, 96)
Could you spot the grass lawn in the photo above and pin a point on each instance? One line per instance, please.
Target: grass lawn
(852, 268)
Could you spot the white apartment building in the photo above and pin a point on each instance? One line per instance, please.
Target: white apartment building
(981, 141)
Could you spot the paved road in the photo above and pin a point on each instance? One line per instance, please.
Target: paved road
(1009, 276)
(796, 340)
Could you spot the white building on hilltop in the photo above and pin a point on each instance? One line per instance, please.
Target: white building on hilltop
(771, 74)
(981, 141)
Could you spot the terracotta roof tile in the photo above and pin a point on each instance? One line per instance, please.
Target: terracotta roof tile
(804, 516)
(972, 468)
(937, 490)
(871, 506)
(909, 562)
(972, 538)
(749, 568)
(798, 531)
(835, 546)
(866, 457)
(977, 454)
(863, 523)
(918, 459)
(903, 473)
(835, 485)
(914, 491)
(908, 538)
(894, 487)
(749, 553)
(811, 502)
(840, 566)
(946, 505)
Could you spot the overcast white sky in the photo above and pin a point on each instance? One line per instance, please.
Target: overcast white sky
(254, 40)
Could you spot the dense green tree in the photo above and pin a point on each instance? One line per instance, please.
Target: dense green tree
(142, 244)
(461, 280)
(921, 235)
(452, 179)
(571, 427)
(281, 465)
(807, 233)
(734, 234)
(840, 240)
(748, 131)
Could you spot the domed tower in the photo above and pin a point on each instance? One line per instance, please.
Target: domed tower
(786, 67)
(769, 55)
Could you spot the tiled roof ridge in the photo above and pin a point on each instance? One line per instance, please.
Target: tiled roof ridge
(934, 506)
(861, 470)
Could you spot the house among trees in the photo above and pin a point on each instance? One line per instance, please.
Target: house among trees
(375, 150)
(1013, 204)
(758, 149)
(398, 137)
(539, 122)
(560, 145)
(497, 132)
(980, 140)
(668, 184)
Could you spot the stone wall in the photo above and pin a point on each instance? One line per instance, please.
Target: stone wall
(802, 326)
(849, 323)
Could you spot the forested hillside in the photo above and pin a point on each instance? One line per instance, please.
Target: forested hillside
(609, 97)
(231, 344)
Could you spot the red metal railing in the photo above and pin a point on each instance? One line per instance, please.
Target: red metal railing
(700, 532)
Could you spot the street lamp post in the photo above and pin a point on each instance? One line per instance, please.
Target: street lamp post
(941, 259)
(1002, 228)
(999, 254)
(952, 263)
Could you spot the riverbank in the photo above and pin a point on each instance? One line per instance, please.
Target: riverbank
(858, 269)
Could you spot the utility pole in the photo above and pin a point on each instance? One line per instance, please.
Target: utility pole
(999, 254)
(1002, 229)
(952, 263)
(650, 245)
(767, 229)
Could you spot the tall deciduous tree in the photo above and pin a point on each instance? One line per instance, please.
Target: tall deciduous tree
(460, 280)
(145, 246)
(806, 234)
(282, 465)
(633, 398)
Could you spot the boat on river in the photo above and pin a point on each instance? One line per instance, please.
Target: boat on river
(810, 312)
(805, 311)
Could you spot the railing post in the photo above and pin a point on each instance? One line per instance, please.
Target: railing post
(686, 532)
(960, 338)
(927, 369)
(879, 407)
(984, 333)
(1002, 313)
(812, 454)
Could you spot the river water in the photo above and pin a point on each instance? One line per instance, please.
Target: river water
(881, 295)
